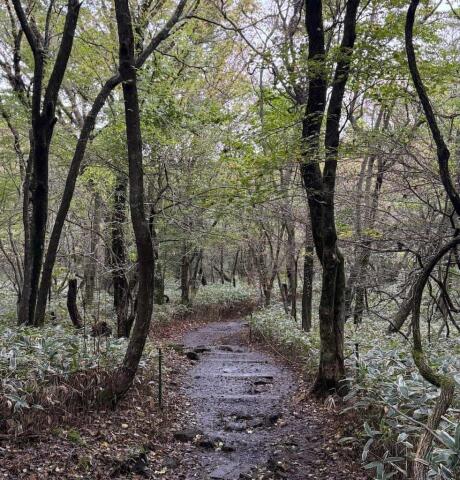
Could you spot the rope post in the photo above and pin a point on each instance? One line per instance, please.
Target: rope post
(357, 357)
(160, 378)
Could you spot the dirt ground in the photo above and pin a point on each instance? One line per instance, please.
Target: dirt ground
(230, 411)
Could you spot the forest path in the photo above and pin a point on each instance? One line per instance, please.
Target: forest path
(244, 418)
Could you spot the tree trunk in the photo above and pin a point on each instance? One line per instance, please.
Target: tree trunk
(185, 275)
(221, 265)
(235, 267)
(72, 303)
(291, 269)
(331, 317)
(43, 121)
(80, 149)
(23, 303)
(125, 374)
(320, 187)
(120, 282)
(159, 280)
(307, 291)
(197, 271)
(91, 258)
(445, 381)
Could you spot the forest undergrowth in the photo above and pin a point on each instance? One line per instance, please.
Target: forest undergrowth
(385, 389)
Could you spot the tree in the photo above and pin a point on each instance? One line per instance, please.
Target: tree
(145, 257)
(320, 186)
(444, 381)
(43, 120)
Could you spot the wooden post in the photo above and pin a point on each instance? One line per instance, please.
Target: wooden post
(160, 379)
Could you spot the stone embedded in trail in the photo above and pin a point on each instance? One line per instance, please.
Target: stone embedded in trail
(235, 426)
(225, 348)
(208, 442)
(256, 423)
(171, 462)
(274, 417)
(187, 435)
(264, 381)
(137, 464)
(201, 349)
(229, 471)
(192, 355)
(177, 347)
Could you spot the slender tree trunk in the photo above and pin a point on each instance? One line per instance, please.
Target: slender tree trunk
(91, 259)
(185, 275)
(126, 373)
(43, 122)
(235, 267)
(307, 290)
(291, 270)
(444, 381)
(289, 225)
(221, 265)
(72, 303)
(80, 149)
(159, 280)
(197, 268)
(119, 258)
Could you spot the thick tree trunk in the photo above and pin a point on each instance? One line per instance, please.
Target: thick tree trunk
(331, 320)
(125, 374)
(39, 215)
(23, 303)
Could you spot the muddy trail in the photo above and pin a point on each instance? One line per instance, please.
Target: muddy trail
(246, 420)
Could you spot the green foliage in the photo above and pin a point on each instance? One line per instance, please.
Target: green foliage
(213, 295)
(223, 294)
(31, 356)
(273, 324)
(398, 402)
